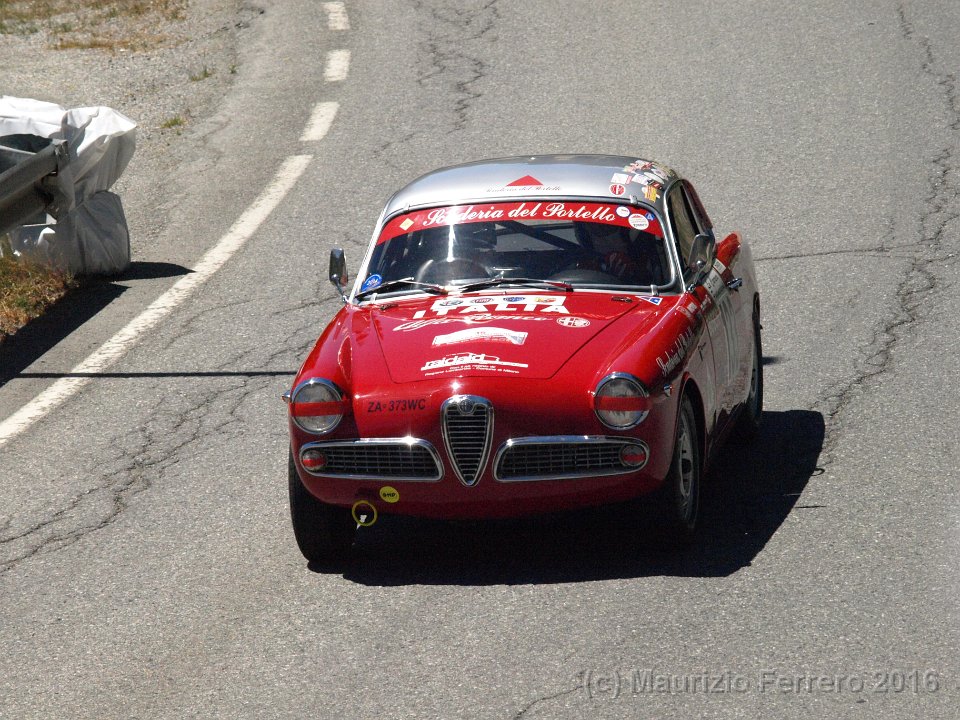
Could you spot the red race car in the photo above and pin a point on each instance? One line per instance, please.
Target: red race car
(527, 335)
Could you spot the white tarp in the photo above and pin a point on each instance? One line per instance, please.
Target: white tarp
(89, 235)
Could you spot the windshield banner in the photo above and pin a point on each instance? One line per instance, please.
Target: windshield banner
(613, 214)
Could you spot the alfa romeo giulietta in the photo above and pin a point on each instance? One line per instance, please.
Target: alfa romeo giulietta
(527, 335)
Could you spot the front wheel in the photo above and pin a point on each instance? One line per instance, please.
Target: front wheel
(679, 497)
(748, 422)
(323, 532)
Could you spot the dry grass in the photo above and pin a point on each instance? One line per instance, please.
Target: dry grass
(26, 291)
(104, 24)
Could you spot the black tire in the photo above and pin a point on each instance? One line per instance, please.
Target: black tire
(323, 532)
(748, 421)
(678, 503)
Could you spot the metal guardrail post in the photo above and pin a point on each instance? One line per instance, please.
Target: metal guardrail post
(25, 190)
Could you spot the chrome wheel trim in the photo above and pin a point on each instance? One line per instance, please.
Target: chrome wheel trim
(686, 460)
(754, 383)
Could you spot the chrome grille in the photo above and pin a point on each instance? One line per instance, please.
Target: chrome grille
(396, 459)
(548, 458)
(467, 428)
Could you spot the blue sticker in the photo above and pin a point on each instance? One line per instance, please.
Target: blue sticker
(515, 299)
(652, 300)
(651, 216)
(371, 282)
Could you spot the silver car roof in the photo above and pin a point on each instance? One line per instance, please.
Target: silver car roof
(537, 176)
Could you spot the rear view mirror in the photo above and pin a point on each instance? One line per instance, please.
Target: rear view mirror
(338, 271)
(701, 257)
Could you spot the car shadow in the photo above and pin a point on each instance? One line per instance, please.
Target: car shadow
(747, 496)
(84, 302)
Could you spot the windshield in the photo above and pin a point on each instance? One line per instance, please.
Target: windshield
(592, 245)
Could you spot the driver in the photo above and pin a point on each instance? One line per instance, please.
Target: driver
(617, 252)
(459, 252)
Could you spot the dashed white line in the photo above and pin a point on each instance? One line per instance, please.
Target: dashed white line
(320, 121)
(116, 346)
(338, 64)
(336, 16)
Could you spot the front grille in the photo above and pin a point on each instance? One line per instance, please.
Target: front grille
(397, 459)
(560, 457)
(467, 427)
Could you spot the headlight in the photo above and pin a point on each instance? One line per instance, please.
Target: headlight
(317, 406)
(620, 401)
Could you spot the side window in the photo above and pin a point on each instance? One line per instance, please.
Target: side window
(699, 212)
(684, 226)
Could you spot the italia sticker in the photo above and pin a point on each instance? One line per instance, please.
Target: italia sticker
(617, 189)
(510, 304)
(574, 322)
(622, 210)
(638, 221)
(652, 299)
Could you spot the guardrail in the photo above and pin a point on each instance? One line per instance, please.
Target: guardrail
(25, 187)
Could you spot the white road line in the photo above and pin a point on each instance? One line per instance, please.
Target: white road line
(116, 346)
(320, 121)
(336, 16)
(338, 64)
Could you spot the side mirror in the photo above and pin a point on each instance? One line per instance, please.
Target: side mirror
(701, 257)
(338, 271)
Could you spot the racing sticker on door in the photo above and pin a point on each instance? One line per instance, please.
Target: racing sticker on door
(721, 296)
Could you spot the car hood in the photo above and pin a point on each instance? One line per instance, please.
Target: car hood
(522, 335)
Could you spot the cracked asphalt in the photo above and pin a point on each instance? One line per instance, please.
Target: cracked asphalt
(147, 568)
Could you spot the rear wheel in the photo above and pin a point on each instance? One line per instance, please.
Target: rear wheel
(679, 497)
(323, 532)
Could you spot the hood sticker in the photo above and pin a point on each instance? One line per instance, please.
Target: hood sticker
(491, 334)
(470, 361)
(574, 322)
(466, 320)
(524, 303)
(652, 299)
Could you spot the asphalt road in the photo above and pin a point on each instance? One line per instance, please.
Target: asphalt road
(147, 568)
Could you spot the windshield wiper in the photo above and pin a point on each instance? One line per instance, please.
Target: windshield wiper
(497, 281)
(390, 284)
